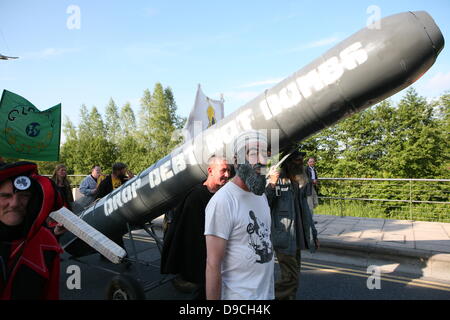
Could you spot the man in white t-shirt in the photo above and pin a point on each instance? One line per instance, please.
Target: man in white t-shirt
(240, 260)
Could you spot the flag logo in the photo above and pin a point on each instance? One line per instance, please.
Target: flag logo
(211, 116)
(33, 129)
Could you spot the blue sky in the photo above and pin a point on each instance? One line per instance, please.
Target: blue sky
(238, 48)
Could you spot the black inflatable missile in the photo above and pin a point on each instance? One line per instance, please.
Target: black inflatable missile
(362, 70)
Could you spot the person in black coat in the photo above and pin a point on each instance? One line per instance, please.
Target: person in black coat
(184, 248)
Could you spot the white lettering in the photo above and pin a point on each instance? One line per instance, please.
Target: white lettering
(274, 104)
(154, 178)
(116, 201)
(353, 56)
(330, 71)
(229, 131)
(108, 207)
(134, 186)
(245, 119)
(311, 80)
(178, 163)
(211, 141)
(166, 171)
(290, 96)
(189, 151)
(265, 110)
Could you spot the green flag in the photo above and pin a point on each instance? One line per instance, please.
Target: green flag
(26, 132)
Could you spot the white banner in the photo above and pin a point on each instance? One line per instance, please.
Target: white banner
(205, 113)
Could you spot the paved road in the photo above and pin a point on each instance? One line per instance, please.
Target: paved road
(330, 281)
(319, 280)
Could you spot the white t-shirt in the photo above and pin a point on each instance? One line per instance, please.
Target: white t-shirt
(243, 219)
(313, 173)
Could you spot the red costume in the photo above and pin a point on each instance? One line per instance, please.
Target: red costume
(29, 264)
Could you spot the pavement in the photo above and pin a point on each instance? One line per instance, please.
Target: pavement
(418, 248)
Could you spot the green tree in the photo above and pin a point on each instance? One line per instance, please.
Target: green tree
(157, 122)
(95, 123)
(417, 143)
(127, 120)
(89, 146)
(112, 122)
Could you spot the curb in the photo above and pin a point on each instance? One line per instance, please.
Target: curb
(417, 262)
(390, 258)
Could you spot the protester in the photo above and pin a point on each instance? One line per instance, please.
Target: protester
(88, 187)
(312, 187)
(184, 250)
(29, 251)
(291, 222)
(120, 174)
(63, 185)
(240, 260)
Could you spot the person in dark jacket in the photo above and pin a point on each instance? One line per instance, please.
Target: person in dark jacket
(184, 249)
(120, 174)
(29, 251)
(313, 185)
(291, 222)
(59, 177)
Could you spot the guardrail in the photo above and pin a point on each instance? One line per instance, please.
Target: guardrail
(405, 199)
(410, 199)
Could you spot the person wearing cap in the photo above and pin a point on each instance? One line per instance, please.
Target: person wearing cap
(239, 259)
(29, 250)
(120, 174)
(291, 221)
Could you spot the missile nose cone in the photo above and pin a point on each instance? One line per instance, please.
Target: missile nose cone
(433, 31)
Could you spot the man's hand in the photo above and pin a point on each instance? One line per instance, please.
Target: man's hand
(317, 243)
(59, 229)
(130, 174)
(274, 175)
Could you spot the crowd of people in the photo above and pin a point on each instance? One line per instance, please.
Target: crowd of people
(222, 237)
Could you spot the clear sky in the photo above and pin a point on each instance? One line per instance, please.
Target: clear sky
(238, 48)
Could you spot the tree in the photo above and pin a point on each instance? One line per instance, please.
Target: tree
(127, 120)
(417, 143)
(144, 135)
(157, 122)
(112, 122)
(89, 146)
(95, 123)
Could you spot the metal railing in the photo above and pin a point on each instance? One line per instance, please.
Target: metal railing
(405, 199)
(410, 199)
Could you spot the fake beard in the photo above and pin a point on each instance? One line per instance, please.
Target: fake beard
(255, 182)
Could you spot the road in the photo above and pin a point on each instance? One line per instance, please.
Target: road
(318, 280)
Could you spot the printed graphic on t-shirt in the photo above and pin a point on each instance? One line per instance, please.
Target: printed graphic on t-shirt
(259, 234)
